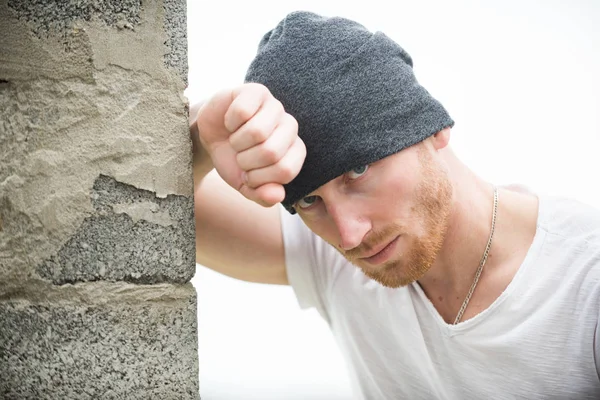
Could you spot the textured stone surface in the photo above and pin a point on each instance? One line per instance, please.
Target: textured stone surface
(110, 341)
(58, 16)
(96, 201)
(176, 28)
(133, 236)
(107, 105)
(64, 19)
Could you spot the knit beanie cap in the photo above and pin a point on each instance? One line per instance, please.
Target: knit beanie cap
(353, 93)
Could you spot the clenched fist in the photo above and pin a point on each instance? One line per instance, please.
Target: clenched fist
(252, 141)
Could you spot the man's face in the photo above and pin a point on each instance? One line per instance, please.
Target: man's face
(389, 218)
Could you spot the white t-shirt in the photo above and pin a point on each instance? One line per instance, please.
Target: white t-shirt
(538, 340)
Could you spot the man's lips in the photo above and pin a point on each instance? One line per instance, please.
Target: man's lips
(382, 254)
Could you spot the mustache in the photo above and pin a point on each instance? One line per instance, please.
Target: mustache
(371, 241)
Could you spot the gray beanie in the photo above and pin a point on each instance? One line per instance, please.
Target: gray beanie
(353, 93)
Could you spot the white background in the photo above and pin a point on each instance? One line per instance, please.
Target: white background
(521, 80)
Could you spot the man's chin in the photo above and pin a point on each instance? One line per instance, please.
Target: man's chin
(388, 276)
(391, 282)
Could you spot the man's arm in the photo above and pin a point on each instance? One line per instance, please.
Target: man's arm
(234, 235)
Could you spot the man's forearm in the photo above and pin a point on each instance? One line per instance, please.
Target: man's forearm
(202, 161)
(202, 164)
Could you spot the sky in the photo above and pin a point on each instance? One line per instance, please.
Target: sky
(518, 77)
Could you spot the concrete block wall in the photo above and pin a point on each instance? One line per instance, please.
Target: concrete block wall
(97, 243)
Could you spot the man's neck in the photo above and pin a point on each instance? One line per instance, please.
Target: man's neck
(450, 278)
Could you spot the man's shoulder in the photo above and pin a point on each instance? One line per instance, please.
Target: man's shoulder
(564, 216)
(571, 231)
(569, 218)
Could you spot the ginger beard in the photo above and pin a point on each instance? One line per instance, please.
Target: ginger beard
(433, 200)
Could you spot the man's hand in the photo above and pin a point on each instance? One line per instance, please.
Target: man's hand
(252, 141)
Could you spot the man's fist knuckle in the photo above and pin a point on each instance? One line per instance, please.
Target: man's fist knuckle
(243, 112)
(292, 121)
(257, 133)
(278, 106)
(259, 89)
(270, 153)
(286, 171)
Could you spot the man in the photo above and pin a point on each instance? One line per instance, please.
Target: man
(436, 284)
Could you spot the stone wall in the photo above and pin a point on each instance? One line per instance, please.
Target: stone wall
(96, 202)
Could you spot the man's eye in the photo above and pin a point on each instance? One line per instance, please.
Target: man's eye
(307, 201)
(357, 172)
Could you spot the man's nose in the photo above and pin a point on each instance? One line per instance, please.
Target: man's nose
(351, 226)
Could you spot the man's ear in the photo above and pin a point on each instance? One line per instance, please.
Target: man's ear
(441, 139)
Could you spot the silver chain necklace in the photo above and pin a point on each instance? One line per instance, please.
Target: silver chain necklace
(482, 262)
